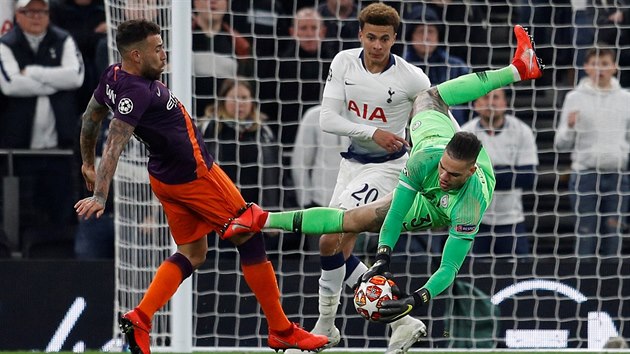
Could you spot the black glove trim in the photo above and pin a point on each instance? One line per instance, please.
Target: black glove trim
(383, 252)
(421, 297)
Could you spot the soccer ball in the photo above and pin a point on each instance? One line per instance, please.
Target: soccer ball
(369, 296)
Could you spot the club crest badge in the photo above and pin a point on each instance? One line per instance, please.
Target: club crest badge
(444, 201)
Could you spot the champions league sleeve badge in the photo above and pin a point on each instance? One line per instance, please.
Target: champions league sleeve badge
(125, 106)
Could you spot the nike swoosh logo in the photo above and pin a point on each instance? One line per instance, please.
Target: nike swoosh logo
(237, 226)
(295, 345)
(409, 308)
(348, 83)
(404, 313)
(530, 52)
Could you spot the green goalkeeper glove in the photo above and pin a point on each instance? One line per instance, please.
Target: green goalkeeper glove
(394, 310)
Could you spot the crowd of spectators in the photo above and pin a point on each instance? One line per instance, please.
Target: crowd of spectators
(259, 71)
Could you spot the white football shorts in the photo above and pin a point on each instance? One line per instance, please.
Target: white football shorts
(359, 184)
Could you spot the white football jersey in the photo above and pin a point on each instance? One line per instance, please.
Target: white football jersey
(383, 100)
(514, 146)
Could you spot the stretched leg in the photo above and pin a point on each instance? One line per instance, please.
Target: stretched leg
(315, 221)
(261, 278)
(330, 222)
(525, 66)
(136, 324)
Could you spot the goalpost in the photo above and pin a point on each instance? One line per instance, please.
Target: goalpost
(548, 299)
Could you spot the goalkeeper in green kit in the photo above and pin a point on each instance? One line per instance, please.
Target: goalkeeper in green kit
(448, 181)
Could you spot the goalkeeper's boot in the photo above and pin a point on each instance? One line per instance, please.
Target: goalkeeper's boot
(405, 332)
(136, 331)
(296, 338)
(529, 66)
(251, 220)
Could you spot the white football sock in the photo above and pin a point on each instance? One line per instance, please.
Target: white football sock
(356, 274)
(330, 283)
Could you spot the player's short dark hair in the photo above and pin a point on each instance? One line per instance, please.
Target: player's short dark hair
(464, 146)
(134, 31)
(379, 14)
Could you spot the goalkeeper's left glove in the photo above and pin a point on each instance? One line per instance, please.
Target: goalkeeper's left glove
(380, 267)
(393, 310)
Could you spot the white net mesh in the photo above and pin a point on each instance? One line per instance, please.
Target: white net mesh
(142, 235)
(547, 298)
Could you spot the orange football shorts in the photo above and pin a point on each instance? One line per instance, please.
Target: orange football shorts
(196, 208)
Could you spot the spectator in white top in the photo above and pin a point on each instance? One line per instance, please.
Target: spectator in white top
(315, 164)
(40, 71)
(595, 127)
(512, 148)
(315, 161)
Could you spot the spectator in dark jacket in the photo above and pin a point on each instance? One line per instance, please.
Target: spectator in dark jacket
(237, 136)
(425, 50)
(241, 143)
(219, 51)
(612, 20)
(85, 21)
(465, 30)
(302, 69)
(342, 27)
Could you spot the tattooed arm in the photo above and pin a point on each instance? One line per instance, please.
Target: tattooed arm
(90, 128)
(118, 137)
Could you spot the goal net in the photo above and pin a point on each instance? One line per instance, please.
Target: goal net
(547, 298)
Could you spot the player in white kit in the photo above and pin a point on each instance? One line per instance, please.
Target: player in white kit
(525, 66)
(368, 97)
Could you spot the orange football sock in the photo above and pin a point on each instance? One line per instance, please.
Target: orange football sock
(164, 285)
(261, 278)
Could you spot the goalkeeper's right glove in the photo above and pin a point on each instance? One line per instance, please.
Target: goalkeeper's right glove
(393, 310)
(380, 267)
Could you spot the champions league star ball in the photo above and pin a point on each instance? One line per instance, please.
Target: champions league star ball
(369, 296)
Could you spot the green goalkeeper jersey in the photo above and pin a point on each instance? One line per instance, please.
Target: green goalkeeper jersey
(419, 203)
